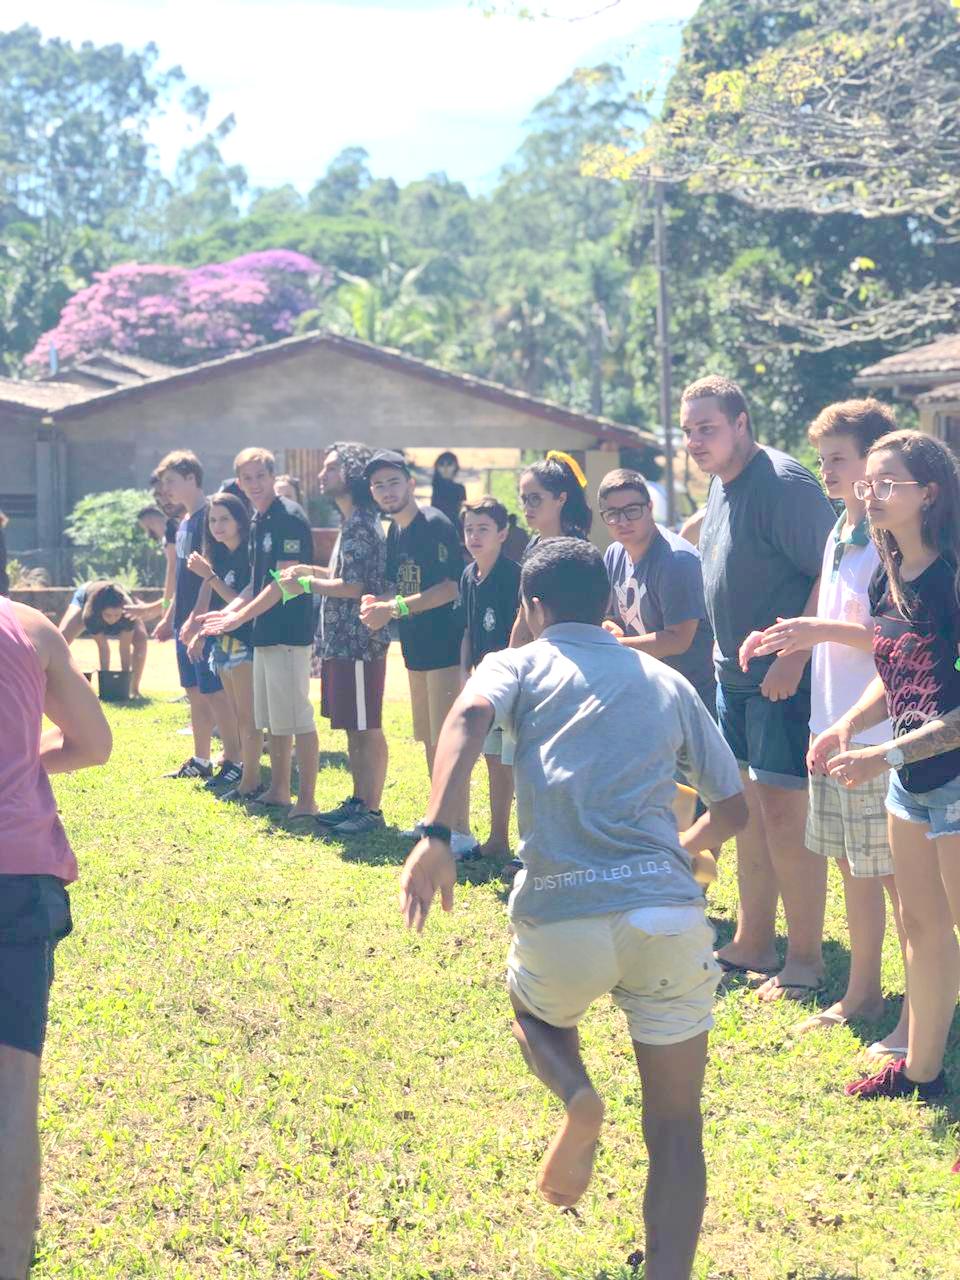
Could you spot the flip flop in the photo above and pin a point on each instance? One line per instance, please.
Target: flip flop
(258, 802)
(818, 1021)
(809, 989)
(878, 1050)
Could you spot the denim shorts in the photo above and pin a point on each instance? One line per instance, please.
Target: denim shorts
(938, 809)
(229, 652)
(197, 675)
(34, 916)
(769, 739)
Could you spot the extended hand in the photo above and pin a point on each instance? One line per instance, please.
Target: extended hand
(782, 679)
(217, 624)
(748, 648)
(788, 635)
(851, 768)
(827, 744)
(199, 565)
(195, 647)
(429, 868)
(375, 613)
(163, 630)
(614, 628)
(292, 572)
(139, 610)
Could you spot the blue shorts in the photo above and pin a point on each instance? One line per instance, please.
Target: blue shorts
(197, 675)
(79, 597)
(769, 739)
(938, 809)
(34, 916)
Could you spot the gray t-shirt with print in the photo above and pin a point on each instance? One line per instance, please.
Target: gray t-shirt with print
(661, 589)
(599, 732)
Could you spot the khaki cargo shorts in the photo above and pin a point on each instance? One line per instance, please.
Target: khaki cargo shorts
(664, 982)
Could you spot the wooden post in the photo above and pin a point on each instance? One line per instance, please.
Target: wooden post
(663, 345)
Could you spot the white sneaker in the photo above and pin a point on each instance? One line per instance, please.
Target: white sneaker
(413, 833)
(463, 844)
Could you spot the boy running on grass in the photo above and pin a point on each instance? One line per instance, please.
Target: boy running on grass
(36, 865)
(489, 600)
(847, 825)
(606, 901)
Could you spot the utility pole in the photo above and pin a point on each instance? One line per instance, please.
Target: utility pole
(663, 343)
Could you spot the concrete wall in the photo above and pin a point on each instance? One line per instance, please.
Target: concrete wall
(18, 473)
(304, 400)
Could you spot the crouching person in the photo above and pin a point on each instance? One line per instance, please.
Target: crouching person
(605, 901)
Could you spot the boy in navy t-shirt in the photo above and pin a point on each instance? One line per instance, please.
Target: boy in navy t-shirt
(489, 600)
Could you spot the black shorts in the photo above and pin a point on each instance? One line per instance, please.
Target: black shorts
(34, 916)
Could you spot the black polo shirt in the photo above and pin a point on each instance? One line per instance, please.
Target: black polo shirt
(490, 607)
(279, 535)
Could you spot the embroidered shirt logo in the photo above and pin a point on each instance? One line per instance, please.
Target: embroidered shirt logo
(267, 542)
(291, 546)
(489, 620)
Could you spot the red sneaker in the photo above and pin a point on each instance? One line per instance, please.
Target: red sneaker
(893, 1082)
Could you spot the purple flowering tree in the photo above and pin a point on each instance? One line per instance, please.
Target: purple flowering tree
(182, 315)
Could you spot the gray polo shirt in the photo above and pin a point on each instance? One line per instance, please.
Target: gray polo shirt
(599, 733)
(761, 546)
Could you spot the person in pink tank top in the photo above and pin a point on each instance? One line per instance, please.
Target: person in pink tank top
(36, 864)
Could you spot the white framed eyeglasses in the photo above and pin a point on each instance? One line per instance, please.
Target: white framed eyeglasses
(881, 489)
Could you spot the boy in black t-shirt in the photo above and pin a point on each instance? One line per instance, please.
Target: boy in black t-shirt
(489, 600)
(280, 536)
(424, 561)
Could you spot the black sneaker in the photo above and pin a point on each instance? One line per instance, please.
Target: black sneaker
(361, 821)
(346, 809)
(192, 768)
(228, 775)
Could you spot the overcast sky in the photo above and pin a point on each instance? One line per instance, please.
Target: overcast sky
(423, 85)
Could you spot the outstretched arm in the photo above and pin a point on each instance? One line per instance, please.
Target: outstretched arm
(430, 868)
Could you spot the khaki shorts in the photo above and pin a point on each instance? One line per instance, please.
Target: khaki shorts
(432, 694)
(851, 823)
(281, 689)
(664, 982)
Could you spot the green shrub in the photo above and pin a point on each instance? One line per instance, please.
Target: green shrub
(108, 542)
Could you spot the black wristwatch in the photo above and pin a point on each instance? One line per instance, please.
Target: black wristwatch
(435, 831)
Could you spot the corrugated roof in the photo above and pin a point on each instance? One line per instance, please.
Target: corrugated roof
(44, 396)
(927, 362)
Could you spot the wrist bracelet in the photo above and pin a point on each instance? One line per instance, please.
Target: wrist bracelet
(306, 583)
(401, 607)
(164, 604)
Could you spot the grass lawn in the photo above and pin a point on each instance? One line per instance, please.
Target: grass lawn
(253, 1071)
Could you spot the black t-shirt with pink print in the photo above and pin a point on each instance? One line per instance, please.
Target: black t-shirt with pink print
(916, 659)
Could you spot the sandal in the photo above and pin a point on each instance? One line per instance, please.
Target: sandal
(819, 1021)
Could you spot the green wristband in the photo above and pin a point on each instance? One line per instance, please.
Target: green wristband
(285, 595)
(165, 604)
(306, 583)
(403, 609)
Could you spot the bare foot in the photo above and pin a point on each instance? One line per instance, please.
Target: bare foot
(838, 1015)
(799, 982)
(306, 812)
(273, 797)
(493, 849)
(568, 1164)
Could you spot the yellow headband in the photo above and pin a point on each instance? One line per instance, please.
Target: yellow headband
(572, 463)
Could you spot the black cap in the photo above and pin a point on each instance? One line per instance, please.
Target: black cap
(386, 458)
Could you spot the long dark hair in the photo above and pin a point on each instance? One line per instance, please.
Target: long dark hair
(102, 595)
(213, 550)
(929, 461)
(557, 477)
(442, 460)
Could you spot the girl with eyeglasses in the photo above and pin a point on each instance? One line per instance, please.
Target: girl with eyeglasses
(912, 496)
(553, 498)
